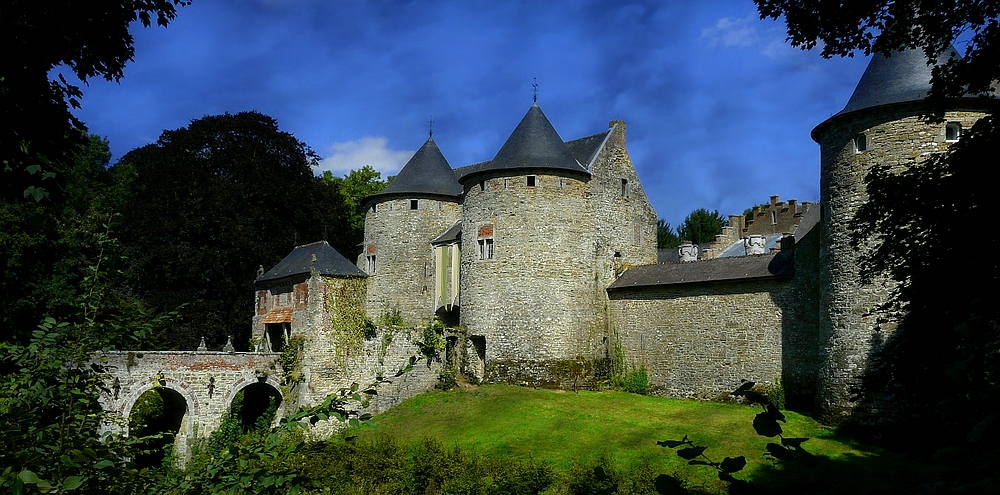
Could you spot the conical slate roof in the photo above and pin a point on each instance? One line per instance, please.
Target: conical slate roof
(901, 77)
(300, 261)
(427, 173)
(534, 144)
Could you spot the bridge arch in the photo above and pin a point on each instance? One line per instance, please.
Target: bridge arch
(266, 386)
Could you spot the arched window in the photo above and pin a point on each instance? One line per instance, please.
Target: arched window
(860, 143)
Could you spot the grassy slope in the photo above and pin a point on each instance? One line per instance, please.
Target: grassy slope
(564, 428)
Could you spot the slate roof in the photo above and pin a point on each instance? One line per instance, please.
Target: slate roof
(328, 262)
(900, 78)
(534, 144)
(764, 266)
(453, 234)
(585, 149)
(427, 173)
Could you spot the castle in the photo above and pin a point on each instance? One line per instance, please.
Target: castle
(542, 262)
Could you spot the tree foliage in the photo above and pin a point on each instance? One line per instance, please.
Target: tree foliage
(208, 205)
(701, 226)
(355, 187)
(665, 236)
(40, 134)
(940, 366)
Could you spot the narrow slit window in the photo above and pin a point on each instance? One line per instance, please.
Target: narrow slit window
(506, 183)
(413, 204)
(774, 217)
(952, 131)
(531, 181)
(860, 143)
(482, 185)
(371, 264)
(625, 188)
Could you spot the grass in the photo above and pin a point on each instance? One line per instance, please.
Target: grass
(567, 428)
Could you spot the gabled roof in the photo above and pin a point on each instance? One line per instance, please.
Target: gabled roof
(764, 266)
(534, 144)
(902, 77)
(426, 174)
(585, 149)
(453, 234)
(299, 261)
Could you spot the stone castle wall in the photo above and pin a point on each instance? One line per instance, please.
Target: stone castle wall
(400, 239)
(535, 300)
(850, 332)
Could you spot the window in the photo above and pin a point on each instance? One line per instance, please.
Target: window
(506, 183)
(774, 217)
(371, 264)
(374, 208)
(625, 190)
(952, 131)
(486, 248)
(486, 242)
(482, 185)
(562, 183)
(530, 181)
(860, 143)
(413, 204)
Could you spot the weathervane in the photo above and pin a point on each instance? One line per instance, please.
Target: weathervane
(430, 127)
(534, 88)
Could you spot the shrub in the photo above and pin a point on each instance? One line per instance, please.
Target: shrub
(636, 381)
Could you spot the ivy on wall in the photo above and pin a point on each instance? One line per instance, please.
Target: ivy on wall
(349, 323)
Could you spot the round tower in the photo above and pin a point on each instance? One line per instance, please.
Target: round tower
(420, 203)
(882, 124)
(528, 281)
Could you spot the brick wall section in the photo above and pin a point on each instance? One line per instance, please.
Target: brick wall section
(896, 137)
(404, 276)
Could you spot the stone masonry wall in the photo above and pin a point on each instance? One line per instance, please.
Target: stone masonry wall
(849, 330)
(400, 239)
(700, 340)
(534, 301)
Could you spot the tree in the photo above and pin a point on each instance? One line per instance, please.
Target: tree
(40, 135)
(210, 203)
(942, 363)
(665, 236)
(355, 187)
(701, 226)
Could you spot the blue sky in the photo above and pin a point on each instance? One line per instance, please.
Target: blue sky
(718, 106)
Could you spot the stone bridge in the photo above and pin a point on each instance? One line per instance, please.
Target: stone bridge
(197, 387)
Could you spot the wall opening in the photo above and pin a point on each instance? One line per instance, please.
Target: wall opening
(276, 335)
(450, 356)
(530, 181)
(952, 131)
(413, 204)
(477, 358)
(257, 406)
(157, 411)
(860, 143)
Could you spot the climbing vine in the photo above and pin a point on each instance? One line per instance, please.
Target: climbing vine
(348, 321)
(290, 360)
(432, 340)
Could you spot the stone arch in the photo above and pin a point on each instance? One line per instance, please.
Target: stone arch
(247, 381)
(192, 409)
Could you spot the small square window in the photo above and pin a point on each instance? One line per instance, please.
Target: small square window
(952, 131)
(860, 143)
(531, 181)
(413, 204)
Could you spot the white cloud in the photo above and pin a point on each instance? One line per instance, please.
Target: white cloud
(730, 31)
(351, 155)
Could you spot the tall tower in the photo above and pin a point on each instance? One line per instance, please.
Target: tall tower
(418, 205)
(882, 124)
(528, 283)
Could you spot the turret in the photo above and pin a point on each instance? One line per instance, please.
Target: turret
(420, 203)
(882, 124)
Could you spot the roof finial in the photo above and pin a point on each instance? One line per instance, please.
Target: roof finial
(430, 127)
(534, 88)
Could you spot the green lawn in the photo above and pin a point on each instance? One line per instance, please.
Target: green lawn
(567, 428)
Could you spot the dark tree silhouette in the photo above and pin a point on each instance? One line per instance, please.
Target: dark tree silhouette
(209, 204)
(701, 226)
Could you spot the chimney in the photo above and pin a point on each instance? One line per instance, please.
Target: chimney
(687, 252)
(792, 205)
(754, 244)
(774, 200)
(618, 137)
(736, 222)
